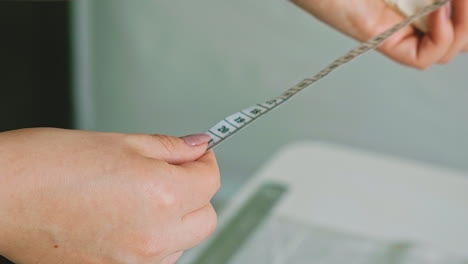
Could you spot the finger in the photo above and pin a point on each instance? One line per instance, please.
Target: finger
(171, 149)
(196, 226)
(182, 188)
(459, 15)
(199, 181)
(437, 43)
(422, 52)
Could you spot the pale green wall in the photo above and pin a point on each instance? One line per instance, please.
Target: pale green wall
(177, 67)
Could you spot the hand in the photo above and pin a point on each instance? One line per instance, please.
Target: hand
(89, 197)
(363, 19)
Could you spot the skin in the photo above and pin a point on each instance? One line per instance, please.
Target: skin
(88, 197)
(71, 196)
(363, 19)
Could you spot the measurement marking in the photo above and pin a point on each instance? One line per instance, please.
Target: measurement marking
(337, 63)
(231, 123)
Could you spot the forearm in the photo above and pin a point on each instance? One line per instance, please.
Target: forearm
(19, 230)
(344, 16)
(5, 171)
(12, 206)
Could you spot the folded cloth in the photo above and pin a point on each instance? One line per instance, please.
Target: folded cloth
(409, 7)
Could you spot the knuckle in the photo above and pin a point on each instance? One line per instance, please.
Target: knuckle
(149, 249)
(448, 57)
(211, 221)
(207, 224)
(148, 144)
(134, 138)
(421, 63)
(139, 142)
(216, 181)
(445, 61)
(214, 174)
(422, 66)
(166, 195)
(212, 181)
(163, 194)
(167, 143)
(144, 248)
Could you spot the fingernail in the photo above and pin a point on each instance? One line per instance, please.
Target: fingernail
(448, 10)
(197, 139)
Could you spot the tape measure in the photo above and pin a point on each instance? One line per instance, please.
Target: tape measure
(232, 124)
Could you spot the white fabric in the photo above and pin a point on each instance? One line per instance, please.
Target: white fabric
(409, 7)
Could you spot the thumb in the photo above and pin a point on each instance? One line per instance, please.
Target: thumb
(176, 150)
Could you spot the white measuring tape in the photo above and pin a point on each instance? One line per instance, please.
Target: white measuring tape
(232, 124)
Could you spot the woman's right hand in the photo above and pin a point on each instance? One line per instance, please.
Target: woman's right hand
(363, 19)
(88, 197)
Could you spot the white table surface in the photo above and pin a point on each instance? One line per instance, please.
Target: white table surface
(366, 193)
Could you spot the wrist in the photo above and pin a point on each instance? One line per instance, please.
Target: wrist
(6, 196)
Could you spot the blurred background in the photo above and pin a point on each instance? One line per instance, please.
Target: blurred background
(178, 67)
(35, 65)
